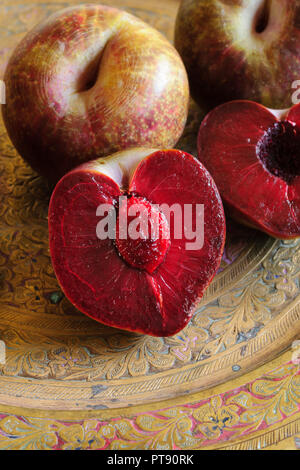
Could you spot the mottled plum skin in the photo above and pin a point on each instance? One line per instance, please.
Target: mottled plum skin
(89, 81)
(253, 157)
(119, 284)
(235, 49)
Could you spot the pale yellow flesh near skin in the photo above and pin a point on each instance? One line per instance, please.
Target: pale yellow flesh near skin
(280, 114)
(120, 166)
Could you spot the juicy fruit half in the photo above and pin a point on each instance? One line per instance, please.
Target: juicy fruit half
(147, 284)
(253, 155)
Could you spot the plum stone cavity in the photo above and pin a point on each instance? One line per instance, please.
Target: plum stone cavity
(279, 150)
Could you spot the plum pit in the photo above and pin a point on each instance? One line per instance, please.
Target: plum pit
(148, 250)
(279, 150)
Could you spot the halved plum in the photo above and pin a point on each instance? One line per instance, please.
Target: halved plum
(253, 154)
(149, 284)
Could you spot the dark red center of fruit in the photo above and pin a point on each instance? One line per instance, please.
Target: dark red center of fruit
(279, 150)
(142, 234)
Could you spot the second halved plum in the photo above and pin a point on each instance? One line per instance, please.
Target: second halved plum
(151, 284)
(253, 154)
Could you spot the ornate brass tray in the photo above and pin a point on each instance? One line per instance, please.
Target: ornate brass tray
(68, 379)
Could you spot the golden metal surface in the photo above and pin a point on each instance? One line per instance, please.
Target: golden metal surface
(105, 381)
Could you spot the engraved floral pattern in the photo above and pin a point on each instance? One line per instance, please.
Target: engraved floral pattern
(215, 418)
(233, 318)
(226, 418)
